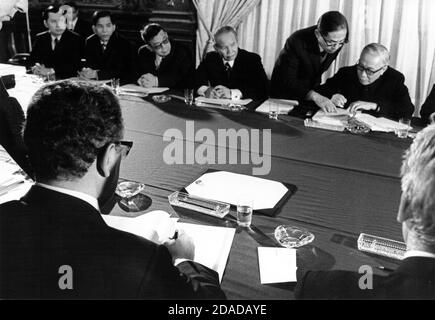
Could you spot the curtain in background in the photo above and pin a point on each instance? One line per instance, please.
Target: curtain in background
(214, 14)
(405, 27)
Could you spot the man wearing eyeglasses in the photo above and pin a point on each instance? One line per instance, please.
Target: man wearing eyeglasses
(307, 54)
(74, 133)
(371, 86)
(162, 62)
(108, 55)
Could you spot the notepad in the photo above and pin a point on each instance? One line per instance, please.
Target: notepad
(380, 124)
(138, 89)
(212, 244)
(222, 102)
(277, 265)
(339, 118)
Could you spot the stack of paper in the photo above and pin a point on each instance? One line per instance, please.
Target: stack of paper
(339, 118)
(277, 265)
(221, 102)
(212, 244)
(132, 88)
(380, 124)
(284, 106)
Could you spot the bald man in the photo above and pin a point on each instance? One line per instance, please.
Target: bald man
(371, 86)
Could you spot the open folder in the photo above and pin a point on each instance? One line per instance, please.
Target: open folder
(212, 244)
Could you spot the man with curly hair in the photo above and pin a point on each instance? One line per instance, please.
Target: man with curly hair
(74, 134)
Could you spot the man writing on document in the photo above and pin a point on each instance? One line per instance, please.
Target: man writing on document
(74, 133)
(231, 72)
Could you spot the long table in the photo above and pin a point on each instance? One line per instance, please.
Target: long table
(346, 184)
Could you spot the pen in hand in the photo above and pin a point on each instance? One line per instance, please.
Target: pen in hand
(175, 236)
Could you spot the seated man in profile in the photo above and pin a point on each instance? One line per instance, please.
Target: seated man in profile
(108, 55)
(371, 85)
(57, 49)
(74, 134)
(230, 72)
(427, 111)
(162, 62)
(414, 278)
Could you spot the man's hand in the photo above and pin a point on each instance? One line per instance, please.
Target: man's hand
(222, 92)
(210, 93)
(338, 100)
(362, 105)
(148, 81)
(182, 247)
(41, 70)
(322, 102)
(432, 118)
(88, 74)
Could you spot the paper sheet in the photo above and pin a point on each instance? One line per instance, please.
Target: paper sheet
(222, 102)
(138, 89)
(212, 244)
(228, 187)
(380, 124)
(285, 106)
(337, 119)
(277, 265)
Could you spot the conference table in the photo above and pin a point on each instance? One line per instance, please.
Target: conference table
(346, 184)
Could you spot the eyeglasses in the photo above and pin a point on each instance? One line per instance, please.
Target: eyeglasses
(124, 147)
(330, 43)
(160, 45)
(368, 71)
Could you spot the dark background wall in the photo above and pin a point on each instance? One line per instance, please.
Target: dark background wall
(177, 16)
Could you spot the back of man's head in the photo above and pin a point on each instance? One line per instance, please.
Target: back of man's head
(68, 124)
(332, 21)
(150, 30)
(418, 189)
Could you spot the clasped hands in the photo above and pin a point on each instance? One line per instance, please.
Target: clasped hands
(88, 74)
(218, 92)
(41, 70)
(148, 81)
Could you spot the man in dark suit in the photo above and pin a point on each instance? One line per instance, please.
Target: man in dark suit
(230, 72)
(427, 111)
(161, 62)
(307, 54)
(74, 22)
(56, 49)
(415, 277)
(371, 85)
(108, 55)
(54, 243)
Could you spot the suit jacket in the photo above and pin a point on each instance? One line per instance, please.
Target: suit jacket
(175, 70)
(247, 74)
(389, 91)
(46, 230)
(11, 125)
(66, 57)
(298, 68)
(414, 279)
(83, 28)
(115, 62)
(428, 106)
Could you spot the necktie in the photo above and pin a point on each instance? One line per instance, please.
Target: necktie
(158, 61)
(104, 46)
(323, 56)
(228, 70)
(55, 42)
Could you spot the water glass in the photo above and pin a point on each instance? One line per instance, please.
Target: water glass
(403, 132)
(115, 85)
(273, 110)
(188, 97)
(244, 211)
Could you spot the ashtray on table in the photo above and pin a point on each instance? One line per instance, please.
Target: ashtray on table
(161, 98)
(293, 237)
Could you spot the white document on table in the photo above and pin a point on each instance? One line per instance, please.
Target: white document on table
(339, 118)
(132, 88)
(222, 102)
(380, 124)
(277, 265)
(285, 106)
(212, 244)
(229, 187)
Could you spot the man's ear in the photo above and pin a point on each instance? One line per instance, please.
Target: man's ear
(45, 24)
(94, 29)
(149, 47)
(107, 160)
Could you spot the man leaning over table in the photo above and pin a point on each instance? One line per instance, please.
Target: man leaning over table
(231, 72)
(162, 62)
(56, 50)
(74, 133)
(414, 278)
(371, 86)
(11, 113)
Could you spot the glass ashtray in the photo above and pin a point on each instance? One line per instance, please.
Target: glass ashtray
(357, 127)
(293, 237)
(161, 98)
(128, 189)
